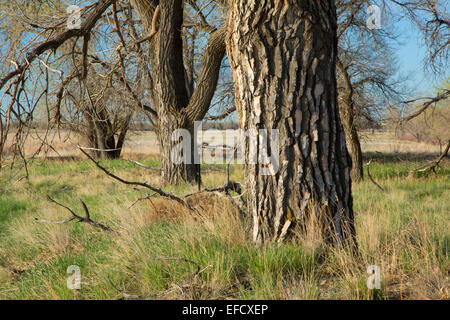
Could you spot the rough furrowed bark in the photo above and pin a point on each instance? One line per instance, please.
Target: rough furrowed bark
(282, 56)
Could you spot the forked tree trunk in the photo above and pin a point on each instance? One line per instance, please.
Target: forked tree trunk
(282, 56)
(177, 104)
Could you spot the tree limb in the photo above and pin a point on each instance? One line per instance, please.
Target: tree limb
(142, 184)
(56, 41)
(87, 218)
(432, 167)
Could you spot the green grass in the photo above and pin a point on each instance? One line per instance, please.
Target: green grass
(405, 230)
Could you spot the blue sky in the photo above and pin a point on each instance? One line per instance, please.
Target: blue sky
(411, 54)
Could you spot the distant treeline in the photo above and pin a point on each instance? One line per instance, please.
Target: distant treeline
(140, 125)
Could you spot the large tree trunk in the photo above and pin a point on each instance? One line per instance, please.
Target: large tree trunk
(347, 115)
(282, 56)
(177, 104)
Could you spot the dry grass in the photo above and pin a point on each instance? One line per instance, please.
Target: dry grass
(144, 143)
(388, 142)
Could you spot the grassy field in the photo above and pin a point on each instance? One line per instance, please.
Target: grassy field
(404, 230)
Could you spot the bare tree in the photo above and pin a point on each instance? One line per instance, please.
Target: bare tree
(175, 93)
(100, 114)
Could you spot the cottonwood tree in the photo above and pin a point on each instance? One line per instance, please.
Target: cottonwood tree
(366, 72)
(100, 113)
(179, 94)
(365, 66)
(176, 101)
(282, 56)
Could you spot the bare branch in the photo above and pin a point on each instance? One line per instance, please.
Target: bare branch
(223, 115)
(86, 219)
(432, 167)
(56, 41)
(370, 176)
(125, 294)
(426, 105)
(142, 184)
(154, 27)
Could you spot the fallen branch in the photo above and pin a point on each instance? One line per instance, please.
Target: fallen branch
(142, 184)
(432, 167)
(230, 186)
(147, 197)
(87, 218)
(127, 295)
(96, 149)
(370, 176)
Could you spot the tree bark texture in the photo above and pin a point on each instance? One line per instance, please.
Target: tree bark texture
(282, 56)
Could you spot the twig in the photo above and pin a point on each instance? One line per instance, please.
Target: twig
(87, 219)
(148, 196)
(370, 176)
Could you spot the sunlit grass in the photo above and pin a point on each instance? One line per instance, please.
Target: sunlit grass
(404, 230)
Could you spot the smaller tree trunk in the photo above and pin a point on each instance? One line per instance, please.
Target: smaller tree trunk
(101, 138)
(346, 112)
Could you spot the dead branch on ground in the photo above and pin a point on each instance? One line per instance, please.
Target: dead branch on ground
(143, 165)
(87, 218)
(127, 295)
(432, 166)
(124, 294)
